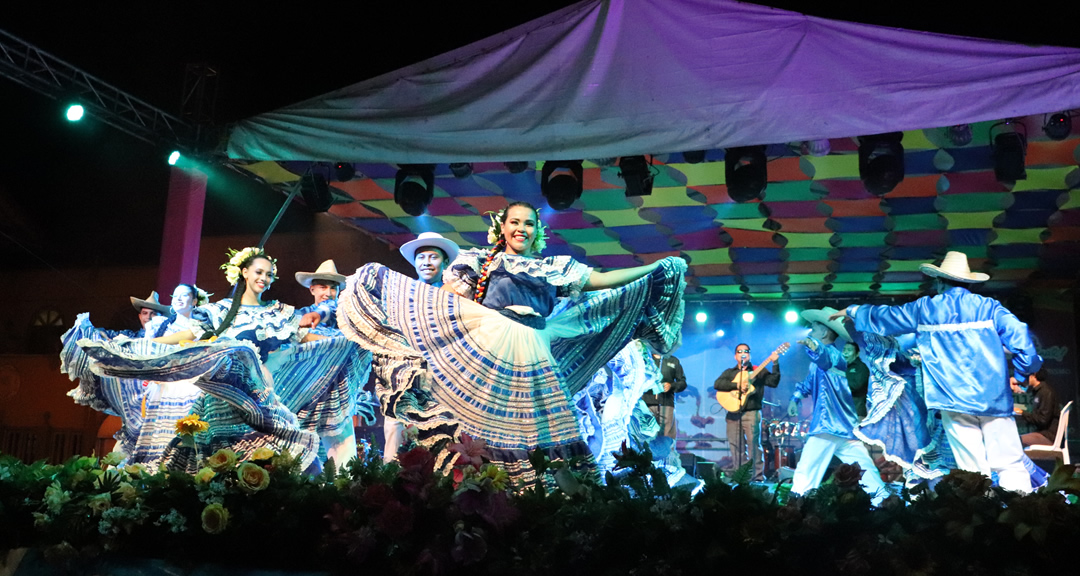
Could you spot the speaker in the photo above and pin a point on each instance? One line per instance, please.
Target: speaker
(316, 192)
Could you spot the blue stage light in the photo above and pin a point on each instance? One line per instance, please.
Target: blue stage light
(791, 316)
(719, 333)
(174, 157)
(701, 317)
(748, 317)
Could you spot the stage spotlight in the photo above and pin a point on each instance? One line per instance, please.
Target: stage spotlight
(174, 157)
(747, 173)
(561, 182)
(461, 169)
(1009, 149)
(791, 316)
(694, 156)
(720, 333)
(881, 162)
(820, 147)
(344, 171)
(516, 167)
(316, 192)
(748, 317)
(1058, 126)
(75, 112)
(638, 175)
(701, 317)
(414, 187)
(959, 135)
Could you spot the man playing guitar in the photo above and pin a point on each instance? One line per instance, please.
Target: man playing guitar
(740, 390)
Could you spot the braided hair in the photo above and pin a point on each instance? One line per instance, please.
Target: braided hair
(500, 246)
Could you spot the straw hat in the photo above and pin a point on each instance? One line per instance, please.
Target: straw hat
(151, 302)
(954, 267)
(327, 272)
(433, 239)
(822, 316)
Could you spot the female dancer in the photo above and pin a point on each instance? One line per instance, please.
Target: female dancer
(501, 350)
(243, 405)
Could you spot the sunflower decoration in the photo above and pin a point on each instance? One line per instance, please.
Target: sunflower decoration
(191, 425)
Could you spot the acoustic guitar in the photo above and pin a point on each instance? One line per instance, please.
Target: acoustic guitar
(734, 400)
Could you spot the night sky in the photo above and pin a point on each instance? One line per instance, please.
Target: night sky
(89, 194)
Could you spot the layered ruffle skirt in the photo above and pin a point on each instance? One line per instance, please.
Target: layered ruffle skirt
(451, 366)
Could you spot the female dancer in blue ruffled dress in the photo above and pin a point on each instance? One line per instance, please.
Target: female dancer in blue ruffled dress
(500, 351)
(246, 404)
(148, 410)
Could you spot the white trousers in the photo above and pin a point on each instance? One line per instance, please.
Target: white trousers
(393, 435)
(818, 452)
(988, 444)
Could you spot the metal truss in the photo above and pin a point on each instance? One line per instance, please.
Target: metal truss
(52, 77)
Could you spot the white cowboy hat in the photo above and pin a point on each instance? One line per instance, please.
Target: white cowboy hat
(433, 239)
(954, 267)
(327, 271)
(151, 302)
(822, 316)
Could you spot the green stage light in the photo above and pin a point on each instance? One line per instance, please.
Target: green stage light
(75, 112)
(701, 317)
(174, 157)
(748, 317)
(791, 316)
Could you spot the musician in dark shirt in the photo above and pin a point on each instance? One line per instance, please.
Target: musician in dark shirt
(1042, 414)
(744, 425)
(662, 405)
(858, 377)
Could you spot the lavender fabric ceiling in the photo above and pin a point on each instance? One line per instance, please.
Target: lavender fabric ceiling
(620, 77)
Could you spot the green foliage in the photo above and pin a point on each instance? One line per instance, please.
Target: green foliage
(406, 518)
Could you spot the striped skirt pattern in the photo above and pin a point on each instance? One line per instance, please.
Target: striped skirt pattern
(451, 366)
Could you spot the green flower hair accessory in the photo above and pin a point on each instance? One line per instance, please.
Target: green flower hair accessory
(539, 241)
(236, 258)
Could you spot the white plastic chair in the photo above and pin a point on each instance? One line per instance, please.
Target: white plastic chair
(1060, 447)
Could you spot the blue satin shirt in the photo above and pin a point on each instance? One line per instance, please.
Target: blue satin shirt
(962, 338)
(826, 384)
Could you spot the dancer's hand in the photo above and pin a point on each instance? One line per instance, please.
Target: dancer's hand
(809, 343)
(839, 314)
(310, 320)
(793, 408)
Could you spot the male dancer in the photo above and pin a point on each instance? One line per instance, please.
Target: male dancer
(744, 424)
(833, 419)
(962, 338)
(430, 254)
(147, 309)
(324, 284)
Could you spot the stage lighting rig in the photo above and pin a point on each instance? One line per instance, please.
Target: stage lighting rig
(638, 175)
(881, 162)
(414, 187)
(746, 172)
(344, 171)
(461, 169)
(1009, 148)
(561, 182)
(1058, 126)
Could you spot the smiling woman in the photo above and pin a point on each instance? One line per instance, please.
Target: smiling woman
(499, 352)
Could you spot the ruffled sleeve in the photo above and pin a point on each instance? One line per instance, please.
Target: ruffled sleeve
(208, 317)
(464, 272)
(568, 275)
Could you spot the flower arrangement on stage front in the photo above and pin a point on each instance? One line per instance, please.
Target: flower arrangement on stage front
(495, 230)
(237, 258)
(407, 518)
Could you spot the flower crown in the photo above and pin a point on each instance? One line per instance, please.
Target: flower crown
(539, 241)
(236, 258)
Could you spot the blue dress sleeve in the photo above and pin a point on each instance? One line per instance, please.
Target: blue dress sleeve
(887, 320)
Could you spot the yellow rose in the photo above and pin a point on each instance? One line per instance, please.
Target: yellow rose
(204, 476)
(135, 470)
(215, 518)
(252, 477)
(221, 460)
(126, 491)
(100, 503)
(262, 453)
